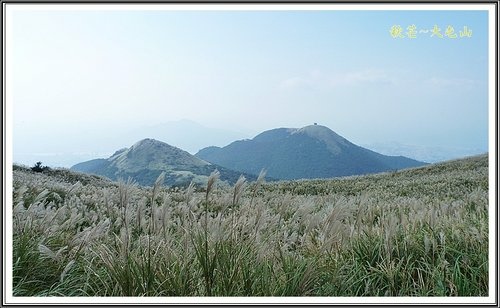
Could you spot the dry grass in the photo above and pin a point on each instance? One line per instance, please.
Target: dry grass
(422, 232)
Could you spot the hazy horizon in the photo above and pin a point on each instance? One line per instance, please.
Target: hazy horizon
(85, 83)
(106, 148)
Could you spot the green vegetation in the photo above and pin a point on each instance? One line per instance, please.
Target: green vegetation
(417, 232)
(38, 167)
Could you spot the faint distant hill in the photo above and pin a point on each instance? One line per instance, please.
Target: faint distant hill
(184, 134)
(62, 149)
(429, 154)
(313, 151)
(146, 159)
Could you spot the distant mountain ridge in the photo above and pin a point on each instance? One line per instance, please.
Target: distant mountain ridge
(146, 159)
(313, 151)
(429, 154)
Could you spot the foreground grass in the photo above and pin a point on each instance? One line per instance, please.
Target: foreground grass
(420, 232)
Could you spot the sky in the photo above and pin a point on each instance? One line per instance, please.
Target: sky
(80, 80)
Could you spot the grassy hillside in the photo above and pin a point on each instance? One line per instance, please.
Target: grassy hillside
(147, 159)
(416, 232)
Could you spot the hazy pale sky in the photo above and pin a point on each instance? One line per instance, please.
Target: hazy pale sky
(100, 72)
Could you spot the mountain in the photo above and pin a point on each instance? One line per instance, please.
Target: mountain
(313, 151)
(146, 159)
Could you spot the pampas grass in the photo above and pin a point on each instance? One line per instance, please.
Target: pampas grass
(420, 232)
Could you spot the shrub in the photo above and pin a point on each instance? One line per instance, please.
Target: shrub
(39, 168)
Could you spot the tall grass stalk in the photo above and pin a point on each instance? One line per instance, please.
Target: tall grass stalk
(205, 258)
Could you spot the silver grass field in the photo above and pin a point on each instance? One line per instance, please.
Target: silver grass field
(415, 232)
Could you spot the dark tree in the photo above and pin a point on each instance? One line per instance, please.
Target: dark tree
(39, 168)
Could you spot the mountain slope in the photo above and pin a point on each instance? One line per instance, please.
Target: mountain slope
(313, 151)
(146, 159)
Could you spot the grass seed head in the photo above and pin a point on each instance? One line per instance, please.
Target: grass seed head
(214, 176)
(239, 187)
